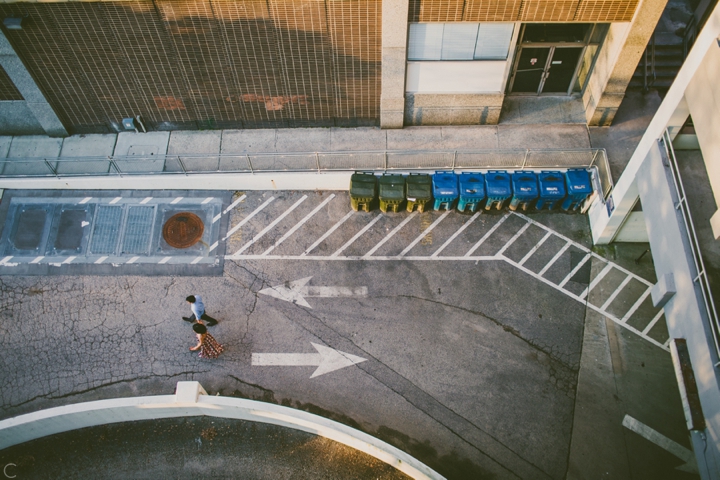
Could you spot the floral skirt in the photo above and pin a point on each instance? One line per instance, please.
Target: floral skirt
(210, 347)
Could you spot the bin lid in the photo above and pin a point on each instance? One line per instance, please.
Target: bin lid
(552, 185)
(418, 191)
(578, 181)
(445, 184)
(362, 185)
(497, 184)
(392, 186)
(525, 184)
(472, 185)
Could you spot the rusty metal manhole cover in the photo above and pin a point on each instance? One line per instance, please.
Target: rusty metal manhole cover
(183, 230)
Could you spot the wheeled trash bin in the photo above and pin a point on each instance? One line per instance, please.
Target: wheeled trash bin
(445, 190)
(498, 188)
(552, 189)
(392, 192)
(418, 191)
(525, 190)
(579, 188)
(472, 191)
(363, 191)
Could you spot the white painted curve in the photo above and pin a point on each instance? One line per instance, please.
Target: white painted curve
(191, 400)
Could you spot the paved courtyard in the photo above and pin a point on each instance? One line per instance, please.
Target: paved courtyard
(468, 333)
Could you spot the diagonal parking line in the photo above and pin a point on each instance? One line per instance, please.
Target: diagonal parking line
(422, 235)
(356, 236)
(390, 235)
(575, 270)
(652, 323)
(512, 239)
(554, 259)
(271, 226)
(454, 235)
(637, 304)
(616, 292)
(247, 219)
(299, 224)
(535, 248)
(597, 279)
(328, 233)
(485, 237)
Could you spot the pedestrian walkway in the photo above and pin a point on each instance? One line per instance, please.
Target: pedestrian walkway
(323, 228)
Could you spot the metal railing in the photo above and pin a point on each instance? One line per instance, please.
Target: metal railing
(382, 160)
(701, 277)
(649, 66)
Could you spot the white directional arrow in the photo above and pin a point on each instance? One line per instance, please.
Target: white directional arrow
(297, 290)
(327, 359)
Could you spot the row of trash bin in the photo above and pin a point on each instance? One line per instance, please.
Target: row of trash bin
(471, 191)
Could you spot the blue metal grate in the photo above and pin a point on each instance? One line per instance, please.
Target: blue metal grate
(138, 230)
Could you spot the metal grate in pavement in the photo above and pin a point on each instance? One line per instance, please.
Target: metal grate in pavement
(106, 231)
(138, 230)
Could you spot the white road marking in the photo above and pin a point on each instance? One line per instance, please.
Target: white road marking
(299, 224)
(247, 219)
(575, 270)
(513, 238)
(535, 248)
(597, 279)
(328, 233)
(684, 454)
(133, 260)
(216, 217)
(454, 235)
(85, 200)
(100, 260)
(485, 237)
(391, 234)
(297, 290)
(327, 359)
(636, 305)
(145, 200)
(652, 323)
(177, 200)
(69, 260)
(37, 259)
(115, 200)
(164, 260)
(5, 260)
(196, 260)
(207, 200)
(212, 247)
(234, 204)
(554, 259)
(612, 297)
(271, 226)
(356, 236)
(425, 232)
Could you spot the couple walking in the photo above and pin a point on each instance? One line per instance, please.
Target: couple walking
(207, 345)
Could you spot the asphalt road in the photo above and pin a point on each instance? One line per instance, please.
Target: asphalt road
(471, 355)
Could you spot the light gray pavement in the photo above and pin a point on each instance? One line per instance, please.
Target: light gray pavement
(481, 366)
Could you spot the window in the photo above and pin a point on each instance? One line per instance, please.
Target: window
(459, 41)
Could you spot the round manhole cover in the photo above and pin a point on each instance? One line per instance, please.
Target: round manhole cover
(183, 230)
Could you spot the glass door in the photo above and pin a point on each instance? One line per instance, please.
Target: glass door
(530, 69)
(561, 70)
(545, 70)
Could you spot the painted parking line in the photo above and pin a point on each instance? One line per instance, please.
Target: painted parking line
(425, 232)
(554, 259)
(247, 219)
(328, 233)
(356, 236)
(390, 235)
(299, 224)
(487, 235)
(271, 226)
(454, 235)
(535, 248)
(575, 270)
(517, 235)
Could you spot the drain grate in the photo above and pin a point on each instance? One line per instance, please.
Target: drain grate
(183, 230)
(139, 229)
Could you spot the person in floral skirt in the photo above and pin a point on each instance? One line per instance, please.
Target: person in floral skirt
(208, 346)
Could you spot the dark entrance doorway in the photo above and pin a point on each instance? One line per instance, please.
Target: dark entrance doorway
(541, 70)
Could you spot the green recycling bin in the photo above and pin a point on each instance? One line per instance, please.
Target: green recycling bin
(392, 192)
(418, 191)
(363, 191)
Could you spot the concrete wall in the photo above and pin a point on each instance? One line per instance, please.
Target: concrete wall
(452, 109)
(684, 312)
(394, 55)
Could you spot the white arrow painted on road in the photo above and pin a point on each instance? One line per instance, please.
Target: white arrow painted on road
(297, 290)
(327, 359)
(663, 442)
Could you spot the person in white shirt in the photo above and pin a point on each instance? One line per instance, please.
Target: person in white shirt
(198, 309)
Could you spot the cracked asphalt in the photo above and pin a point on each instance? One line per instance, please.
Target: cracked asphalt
(472, 366)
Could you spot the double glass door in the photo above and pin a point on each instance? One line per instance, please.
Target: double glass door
(545, 70)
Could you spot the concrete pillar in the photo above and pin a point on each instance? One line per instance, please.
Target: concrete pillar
(394, 61)
(34, 98)
(624, 47)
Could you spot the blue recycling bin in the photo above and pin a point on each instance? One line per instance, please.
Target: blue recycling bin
(552, 189)
(472, 191)
(498, 188)
(445, 190)
(579, 188)
(525, 190)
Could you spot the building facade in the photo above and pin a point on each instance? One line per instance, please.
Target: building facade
(76, 67)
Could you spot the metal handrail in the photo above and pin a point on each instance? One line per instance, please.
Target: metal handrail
(649, 50)
(689, 36)
(701, 277)
(369, 160)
